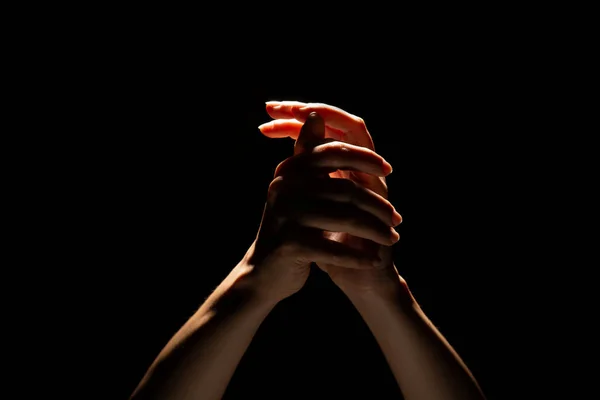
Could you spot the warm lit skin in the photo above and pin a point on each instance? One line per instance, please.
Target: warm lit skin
(200, 359)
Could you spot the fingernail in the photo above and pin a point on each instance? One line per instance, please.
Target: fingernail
(395, 236)
(271, 102)
(263, 127)
(313, 116)
(396, 218)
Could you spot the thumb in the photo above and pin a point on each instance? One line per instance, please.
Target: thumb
(311, 134)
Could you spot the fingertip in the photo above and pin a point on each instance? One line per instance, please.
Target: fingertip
(263, 128)
(313, 128)
(272, 106)
(394, 236)
(314, 116)
(396, 218)
(387, 168)
(315, 119)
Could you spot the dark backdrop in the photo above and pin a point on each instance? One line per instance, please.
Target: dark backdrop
(175, 183)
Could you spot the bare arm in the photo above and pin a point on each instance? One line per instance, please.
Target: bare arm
(198, 362)
(200, 359)
(424, 364)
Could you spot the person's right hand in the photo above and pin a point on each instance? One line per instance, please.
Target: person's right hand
(303, 202)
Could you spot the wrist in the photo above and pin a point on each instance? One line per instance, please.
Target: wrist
(235, 294)
(246, 280)
(390, 291)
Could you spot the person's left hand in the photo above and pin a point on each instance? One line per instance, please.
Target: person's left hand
(340, 125)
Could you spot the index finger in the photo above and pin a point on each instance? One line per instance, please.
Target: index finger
(353, 128)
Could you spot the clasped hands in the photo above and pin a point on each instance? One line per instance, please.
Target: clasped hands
(326, 204)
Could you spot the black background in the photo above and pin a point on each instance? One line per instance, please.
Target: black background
(168, 179)
(179, 196)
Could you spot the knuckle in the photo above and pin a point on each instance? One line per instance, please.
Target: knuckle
(361, 123)
(275, 186)
(274, 193)
(280, 167)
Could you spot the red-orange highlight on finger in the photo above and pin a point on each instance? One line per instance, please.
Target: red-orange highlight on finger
(281, 128)
(387, 168)
(265, 128)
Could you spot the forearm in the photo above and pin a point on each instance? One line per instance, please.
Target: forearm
(424, 364)
(200, 359)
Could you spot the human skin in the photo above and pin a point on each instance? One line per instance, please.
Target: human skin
(327, 204)
(199, 360)
(425, 365)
